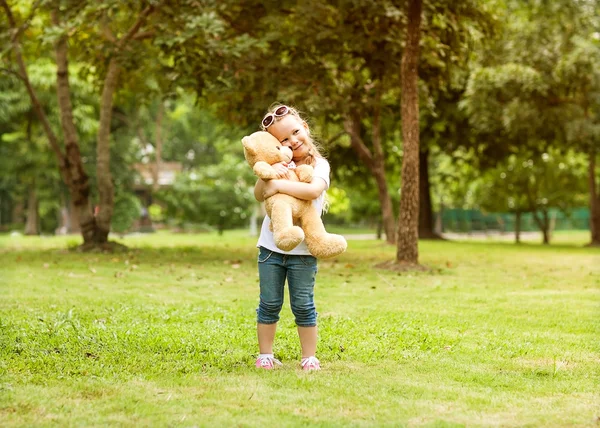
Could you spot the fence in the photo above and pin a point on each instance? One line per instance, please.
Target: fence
(466, 221)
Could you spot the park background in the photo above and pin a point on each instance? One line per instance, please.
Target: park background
(463, 139)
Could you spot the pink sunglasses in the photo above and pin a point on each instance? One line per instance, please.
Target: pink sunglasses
(269, 119)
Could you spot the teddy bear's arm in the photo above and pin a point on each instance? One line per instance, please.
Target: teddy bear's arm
(304, 173)
(264, 171)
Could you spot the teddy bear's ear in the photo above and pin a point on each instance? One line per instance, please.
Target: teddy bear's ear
(247, 145)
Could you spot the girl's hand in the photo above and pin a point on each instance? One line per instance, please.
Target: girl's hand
(281, 170)
(270, 188)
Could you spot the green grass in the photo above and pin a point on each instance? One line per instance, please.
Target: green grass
(496, 334)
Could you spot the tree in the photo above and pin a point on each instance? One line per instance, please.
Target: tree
(28, 172)
(407, 251)
(536, 184)
(579, 73)
(341, 67)
(538, 87)
(94, 228)
(218, 195)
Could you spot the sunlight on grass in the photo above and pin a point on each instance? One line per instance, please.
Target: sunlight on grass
(495, 334)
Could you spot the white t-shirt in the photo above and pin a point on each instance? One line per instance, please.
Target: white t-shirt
(321, 170)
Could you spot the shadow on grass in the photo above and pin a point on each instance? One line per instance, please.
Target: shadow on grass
(146, 254)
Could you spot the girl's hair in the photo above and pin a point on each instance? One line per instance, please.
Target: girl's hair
(314, 151)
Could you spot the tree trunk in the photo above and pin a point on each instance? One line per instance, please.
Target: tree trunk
(594, 200)
(387, 212)
(426, 219)
(104, 177)
(70, 165)
(17, 212)
(78, 183)
(543, 224)
(546, 229)
(158, 146)
(74, 223)
(94, 230)
(408, 223)
(376, 165)
(31, 227)
(518, 227)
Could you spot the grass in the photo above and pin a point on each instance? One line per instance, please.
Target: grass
(496, 334)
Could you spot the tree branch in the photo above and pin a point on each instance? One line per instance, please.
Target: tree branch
(13, 72)
(105, 30)
(336, 137)
(144, 35)
(19, 29)
(352, 128)
(135, 27)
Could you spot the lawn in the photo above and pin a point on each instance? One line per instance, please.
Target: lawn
(495, 334)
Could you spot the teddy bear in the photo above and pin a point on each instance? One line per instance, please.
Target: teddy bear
(292, 220)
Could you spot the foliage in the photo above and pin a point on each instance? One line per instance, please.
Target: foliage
(528, 183)
(526, 72)
(455, 172)
(156, 213)
(535, 87)
(219, 195)
(364, 207)
(578, 70)
(127, 210)
(25, 161)
(534, 184)
(338, 201)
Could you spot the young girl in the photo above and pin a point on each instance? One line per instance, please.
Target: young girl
(298, 266)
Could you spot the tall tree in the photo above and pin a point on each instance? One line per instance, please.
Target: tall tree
(407, 251)
(542, 81)
(94, 228)
(341, 66)
(579, 74)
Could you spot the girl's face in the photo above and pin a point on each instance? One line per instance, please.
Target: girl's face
(293, 133)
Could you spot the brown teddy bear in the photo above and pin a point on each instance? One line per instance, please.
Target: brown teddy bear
(292, 219)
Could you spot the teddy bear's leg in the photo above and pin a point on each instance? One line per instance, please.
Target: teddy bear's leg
(321, 244)
(286, 235)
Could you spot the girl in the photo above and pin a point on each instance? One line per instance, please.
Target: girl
(298, 266)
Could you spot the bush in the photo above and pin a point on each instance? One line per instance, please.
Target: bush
(127, 210)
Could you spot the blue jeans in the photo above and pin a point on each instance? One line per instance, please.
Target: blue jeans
(300, 271)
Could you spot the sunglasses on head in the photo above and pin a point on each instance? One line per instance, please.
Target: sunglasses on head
(269, 119)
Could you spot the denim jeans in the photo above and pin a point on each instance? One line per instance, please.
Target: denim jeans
(300, 271)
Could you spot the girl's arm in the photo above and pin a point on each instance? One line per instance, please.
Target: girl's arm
(306, 191)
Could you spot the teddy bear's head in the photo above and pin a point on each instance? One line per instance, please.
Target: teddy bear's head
(262, 146)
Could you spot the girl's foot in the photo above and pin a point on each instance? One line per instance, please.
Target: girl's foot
(267, 362)
(310, 363)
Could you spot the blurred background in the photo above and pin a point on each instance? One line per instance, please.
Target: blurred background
(127, 116)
